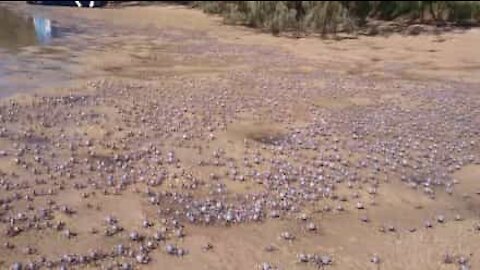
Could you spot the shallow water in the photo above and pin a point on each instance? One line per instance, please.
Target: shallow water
(20, 70)
(18, 31)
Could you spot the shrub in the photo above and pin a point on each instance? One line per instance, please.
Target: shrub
(332, 16)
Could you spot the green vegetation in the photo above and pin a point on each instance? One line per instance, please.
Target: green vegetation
(345, 16)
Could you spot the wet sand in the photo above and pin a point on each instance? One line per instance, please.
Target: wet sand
(170, 117)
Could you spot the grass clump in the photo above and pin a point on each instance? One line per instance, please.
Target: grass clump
(345, 16)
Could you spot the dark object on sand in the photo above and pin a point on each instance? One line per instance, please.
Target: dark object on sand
(90, 4)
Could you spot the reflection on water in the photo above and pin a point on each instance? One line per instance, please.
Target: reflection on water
(18, 31)
(43, 29)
